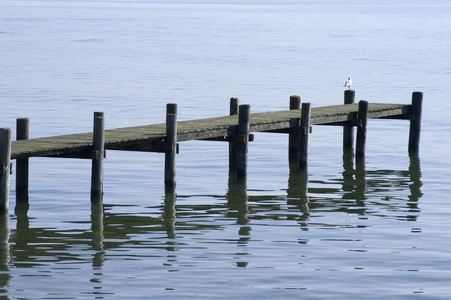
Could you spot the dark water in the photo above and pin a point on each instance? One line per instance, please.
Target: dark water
(340, 230)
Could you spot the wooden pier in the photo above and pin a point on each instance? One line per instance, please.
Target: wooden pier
(236, 129)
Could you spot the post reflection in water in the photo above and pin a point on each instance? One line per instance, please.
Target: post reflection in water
(381, 193)
(297, 192)
(360, 183)
(170, 218)
(363, 188)
(354, 179)
(97, 215)
(237, 199)
(377, 193)
(5, 256)
(415, 186)
(98, 259)
(348, 171)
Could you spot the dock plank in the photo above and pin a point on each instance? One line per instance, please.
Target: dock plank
(121, 138)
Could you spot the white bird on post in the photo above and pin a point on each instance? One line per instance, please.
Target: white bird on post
(348, 82)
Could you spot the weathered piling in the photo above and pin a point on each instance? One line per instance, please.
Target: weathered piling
(242, 141)
(362, 119)
(5, 161)
(232, 142)
(171, 140)
(304, 135)
(348, 128)
(294, 137)
(98, 145)
(22, 164)
(234, 106)
(415, 122)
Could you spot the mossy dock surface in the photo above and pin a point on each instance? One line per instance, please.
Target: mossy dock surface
(149, 136)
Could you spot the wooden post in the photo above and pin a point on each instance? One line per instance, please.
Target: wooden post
(234, 106)
(415, 122)
(304, 135)
(232, 143)
(242, 141)
(348, 129)
(97, 160)
(294, 136)
(5, 161)
(171, 139)
(22, 164)
(362, 119)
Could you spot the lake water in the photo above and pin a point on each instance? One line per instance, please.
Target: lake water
(382, 231)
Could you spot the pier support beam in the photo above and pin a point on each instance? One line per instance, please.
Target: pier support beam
(415, 122)
(232, 143)
(97, 161)
(362, 119)
(294, 136)
(22, 164)
(171, 139)
(5, 161)
(242, 141)
(304, 135)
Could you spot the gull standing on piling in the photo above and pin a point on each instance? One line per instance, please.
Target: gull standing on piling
(348, 83)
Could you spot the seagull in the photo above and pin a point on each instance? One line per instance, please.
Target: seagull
(348, 82)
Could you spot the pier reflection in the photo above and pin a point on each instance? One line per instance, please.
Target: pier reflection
(237, 208)
(297, 192)
(97, 244)
(169, 219)
(382, 193)
(169, 214)
(355, 191)
(354, 183)
(97, 226)
(414, 185)
(5, 257)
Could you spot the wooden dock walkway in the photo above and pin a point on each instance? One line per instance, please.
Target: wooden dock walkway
(234, 129)
(148, 137)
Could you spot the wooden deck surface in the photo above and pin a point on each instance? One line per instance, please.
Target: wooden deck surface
(144, 138)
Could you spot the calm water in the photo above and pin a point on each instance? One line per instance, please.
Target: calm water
(373, 231)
